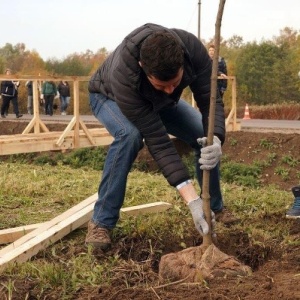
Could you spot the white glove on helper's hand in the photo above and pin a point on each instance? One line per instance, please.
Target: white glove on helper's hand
(210, 155)
(196, 208)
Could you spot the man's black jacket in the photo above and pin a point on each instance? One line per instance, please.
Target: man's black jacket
(121, 79)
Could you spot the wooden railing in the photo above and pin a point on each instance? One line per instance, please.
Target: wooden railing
(75, 135)
(231, 120)
(37, 137)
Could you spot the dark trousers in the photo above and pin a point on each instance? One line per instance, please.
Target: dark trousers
(49, 104)
(5, 104)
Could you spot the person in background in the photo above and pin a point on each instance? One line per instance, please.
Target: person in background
(222, 70)
(9, 92)
(64, 96)
(294, 211)
(29, 86)
(136, 94)
(49, 91)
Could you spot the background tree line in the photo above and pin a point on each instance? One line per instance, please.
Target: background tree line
(266, 71)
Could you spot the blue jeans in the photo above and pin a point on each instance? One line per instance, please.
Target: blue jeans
(182, 121)
(64, 103)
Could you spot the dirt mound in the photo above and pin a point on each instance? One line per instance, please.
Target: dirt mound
(196, 264)
(277, 153)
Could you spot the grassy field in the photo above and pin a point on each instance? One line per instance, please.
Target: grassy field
(36, 189)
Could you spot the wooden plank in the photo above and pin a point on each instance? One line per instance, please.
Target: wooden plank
(76, 113)
(50, 232)
(66, 132)
(46, 141)
(12, 234)
(46, 237)
(50, 134)
(154, 207)
(87, 132)
(36, 123)
(49, 224)
(44, 78)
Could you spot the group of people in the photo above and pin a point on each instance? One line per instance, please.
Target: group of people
(48, 91)
(136, 95)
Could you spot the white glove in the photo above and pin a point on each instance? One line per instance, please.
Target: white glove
(210, 155)
(196, 208)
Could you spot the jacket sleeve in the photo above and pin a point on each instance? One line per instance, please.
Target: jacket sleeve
(148, 122)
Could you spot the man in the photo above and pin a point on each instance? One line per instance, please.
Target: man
(49, 91)
(135, 94)
(63, 89)
(29, 86)
(222, 70)
(9, 92)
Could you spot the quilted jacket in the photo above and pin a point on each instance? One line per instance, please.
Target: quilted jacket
(121, 79)
(9, 88)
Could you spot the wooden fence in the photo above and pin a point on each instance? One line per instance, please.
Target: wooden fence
(36, 136)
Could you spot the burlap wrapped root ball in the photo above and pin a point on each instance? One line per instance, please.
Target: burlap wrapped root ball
(196, 264)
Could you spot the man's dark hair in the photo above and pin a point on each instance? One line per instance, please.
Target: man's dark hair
(161, 55)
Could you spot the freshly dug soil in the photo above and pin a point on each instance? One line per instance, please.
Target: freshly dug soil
(275, 269)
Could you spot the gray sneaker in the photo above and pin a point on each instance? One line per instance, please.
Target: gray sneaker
(98, 237)
(294, 211)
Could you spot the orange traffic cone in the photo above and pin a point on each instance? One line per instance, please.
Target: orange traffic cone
(247, 114)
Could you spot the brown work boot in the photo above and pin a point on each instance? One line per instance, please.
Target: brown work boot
(226, 217)
(98, 237)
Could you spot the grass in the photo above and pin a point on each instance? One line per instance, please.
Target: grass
(35, 192)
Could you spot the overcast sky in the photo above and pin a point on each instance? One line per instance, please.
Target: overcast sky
(57, 28)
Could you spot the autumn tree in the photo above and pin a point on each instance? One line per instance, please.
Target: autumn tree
(266, 71)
